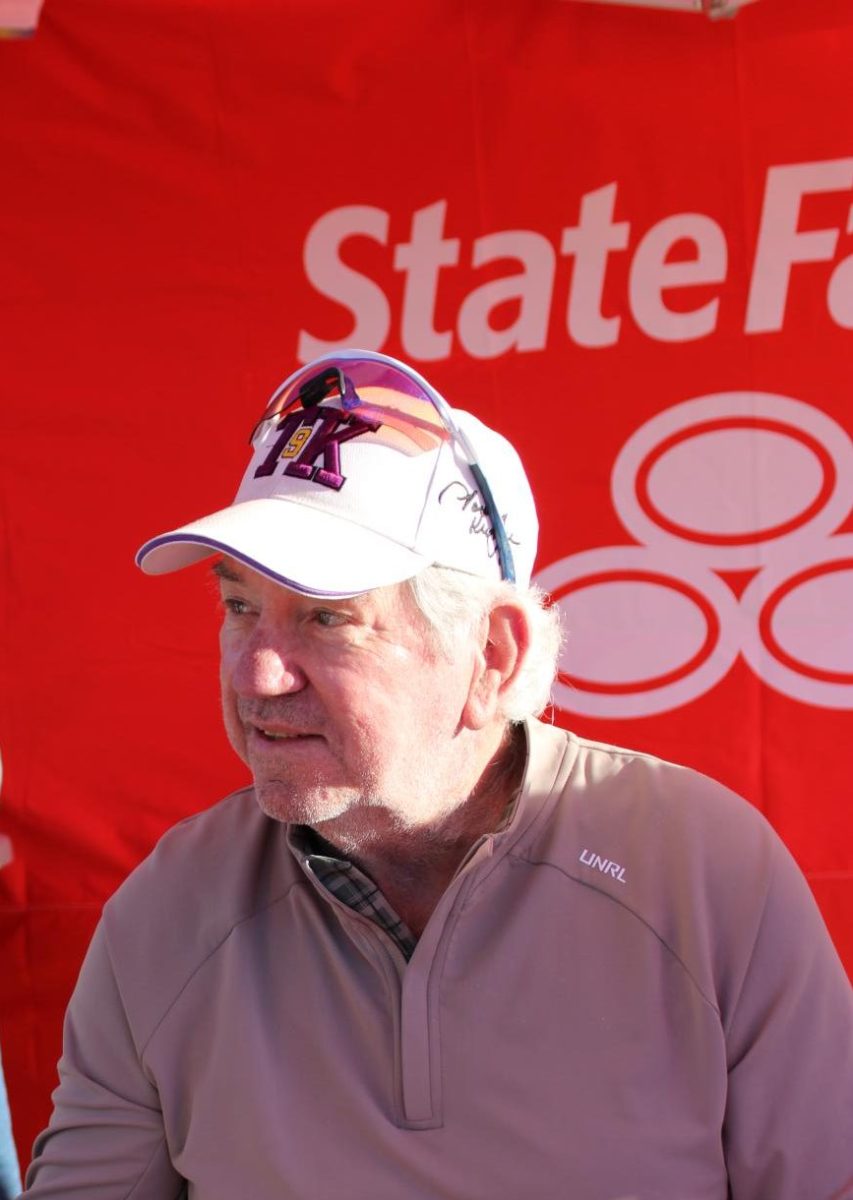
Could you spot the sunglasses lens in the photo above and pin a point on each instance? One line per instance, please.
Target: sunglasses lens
(372, 390)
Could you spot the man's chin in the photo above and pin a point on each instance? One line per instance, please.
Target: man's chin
(301, 806)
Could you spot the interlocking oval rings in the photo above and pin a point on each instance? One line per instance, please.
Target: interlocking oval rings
(731, 481)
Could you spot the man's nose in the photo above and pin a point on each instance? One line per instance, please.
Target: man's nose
(267, 667)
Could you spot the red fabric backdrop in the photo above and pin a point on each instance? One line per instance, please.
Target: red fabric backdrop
(574, 219)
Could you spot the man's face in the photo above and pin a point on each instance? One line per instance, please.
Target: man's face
(342, 709)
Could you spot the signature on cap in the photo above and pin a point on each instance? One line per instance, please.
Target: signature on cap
(469, 500)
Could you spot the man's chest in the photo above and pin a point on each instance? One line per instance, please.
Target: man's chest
(504, 1062)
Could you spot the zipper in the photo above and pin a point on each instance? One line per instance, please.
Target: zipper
(413, 994)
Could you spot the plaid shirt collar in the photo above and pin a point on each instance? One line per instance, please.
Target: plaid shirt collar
(349, 884)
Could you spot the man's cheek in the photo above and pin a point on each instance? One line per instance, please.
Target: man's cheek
(233, 726)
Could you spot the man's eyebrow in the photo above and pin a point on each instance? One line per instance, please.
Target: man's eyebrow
(222, 570)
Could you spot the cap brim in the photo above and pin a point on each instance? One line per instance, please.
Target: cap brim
(305, 549)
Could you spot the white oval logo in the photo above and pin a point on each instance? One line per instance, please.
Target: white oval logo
(736, 480)
(731, 478)
(645, 630)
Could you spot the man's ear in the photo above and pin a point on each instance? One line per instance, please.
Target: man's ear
(505, 640)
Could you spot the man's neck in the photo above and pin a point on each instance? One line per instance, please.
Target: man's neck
(413, 867)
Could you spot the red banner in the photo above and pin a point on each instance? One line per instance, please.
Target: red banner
(624, 237)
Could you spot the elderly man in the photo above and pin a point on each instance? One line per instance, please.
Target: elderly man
(439, 950)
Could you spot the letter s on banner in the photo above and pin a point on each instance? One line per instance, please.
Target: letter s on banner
(333, 278)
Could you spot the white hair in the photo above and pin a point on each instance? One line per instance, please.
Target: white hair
(454, 604)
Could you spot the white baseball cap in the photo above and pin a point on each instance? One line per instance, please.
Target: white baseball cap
(361, 475)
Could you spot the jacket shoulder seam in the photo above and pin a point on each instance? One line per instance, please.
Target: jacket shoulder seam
(586, 883)
(207, 957)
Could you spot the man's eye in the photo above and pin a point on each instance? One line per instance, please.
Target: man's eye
(233, 605)
(328, 617)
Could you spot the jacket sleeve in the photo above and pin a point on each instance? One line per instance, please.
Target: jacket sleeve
(106, 1138)
(789, 1121)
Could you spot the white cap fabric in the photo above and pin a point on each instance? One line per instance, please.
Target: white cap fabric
(334, 512)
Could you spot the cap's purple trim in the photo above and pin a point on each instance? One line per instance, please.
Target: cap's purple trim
(195, 540)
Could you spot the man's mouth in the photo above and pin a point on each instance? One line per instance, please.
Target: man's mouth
(275, 735)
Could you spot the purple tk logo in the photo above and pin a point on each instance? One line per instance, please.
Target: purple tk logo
(306, 434)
